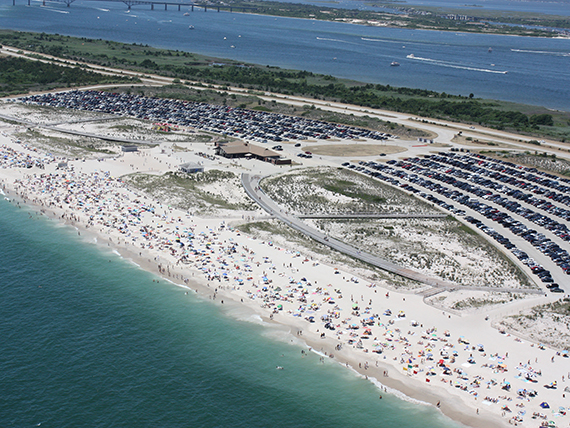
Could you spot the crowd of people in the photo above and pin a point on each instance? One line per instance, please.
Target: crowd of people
(286, 285)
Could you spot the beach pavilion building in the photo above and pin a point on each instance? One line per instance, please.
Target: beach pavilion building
(241, 149)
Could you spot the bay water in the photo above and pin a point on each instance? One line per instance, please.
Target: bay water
(529, 70)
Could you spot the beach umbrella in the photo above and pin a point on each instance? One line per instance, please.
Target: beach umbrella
(544, 405)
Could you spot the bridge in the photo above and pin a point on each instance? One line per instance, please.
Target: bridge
(152, 3)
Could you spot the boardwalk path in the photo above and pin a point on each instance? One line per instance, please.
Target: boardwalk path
(252, 188)
(51, 127)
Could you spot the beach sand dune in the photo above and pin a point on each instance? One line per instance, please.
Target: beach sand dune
(475, 373)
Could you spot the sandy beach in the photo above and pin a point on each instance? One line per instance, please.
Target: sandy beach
(473, 372)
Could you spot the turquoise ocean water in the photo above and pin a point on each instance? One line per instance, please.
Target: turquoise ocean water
(87, 339)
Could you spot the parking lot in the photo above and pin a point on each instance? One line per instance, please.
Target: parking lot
(520, 208)
(253, 125)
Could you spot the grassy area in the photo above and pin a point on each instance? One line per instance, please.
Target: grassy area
(442, 247)
(560, 308)
(186, 66)
(195, 193)
(548, 323)
(102, 52)
(474, 303)
(326, 190)
(64, 146)
(542, 161)
(20, 75)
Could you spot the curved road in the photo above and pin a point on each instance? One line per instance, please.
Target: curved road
(252, 188)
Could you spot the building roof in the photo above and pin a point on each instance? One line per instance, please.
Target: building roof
(190, 165)
(237, 147)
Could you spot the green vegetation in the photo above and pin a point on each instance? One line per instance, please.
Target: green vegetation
(349, 189)
(192, 192)
(19, 75)
(473, 302)
(548, 324)
(542, 161)
(443, 246)
(560, 308)
(331, 190)
(185, 66)
(103, 52)
(75, 147)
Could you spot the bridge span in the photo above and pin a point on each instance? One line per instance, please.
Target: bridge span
(152, 3)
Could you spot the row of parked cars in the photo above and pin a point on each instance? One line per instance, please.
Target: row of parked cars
(237, 122)
(433, 169)
(430, 174)
(487, 175)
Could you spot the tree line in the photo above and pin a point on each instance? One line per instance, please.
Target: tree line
(419, 102)
(20, 75)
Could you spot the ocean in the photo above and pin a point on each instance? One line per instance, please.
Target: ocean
(528, 70)
(91, 340)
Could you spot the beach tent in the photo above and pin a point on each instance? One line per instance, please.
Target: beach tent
(544, 405)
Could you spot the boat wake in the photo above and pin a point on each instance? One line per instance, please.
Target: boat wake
(335, 40)
(54, 10)
(450, 64)
(365, 39)
(541, 52)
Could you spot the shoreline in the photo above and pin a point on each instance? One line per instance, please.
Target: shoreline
(391, 385)
(150, 259)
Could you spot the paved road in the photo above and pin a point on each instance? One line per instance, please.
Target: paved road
(251, 186)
